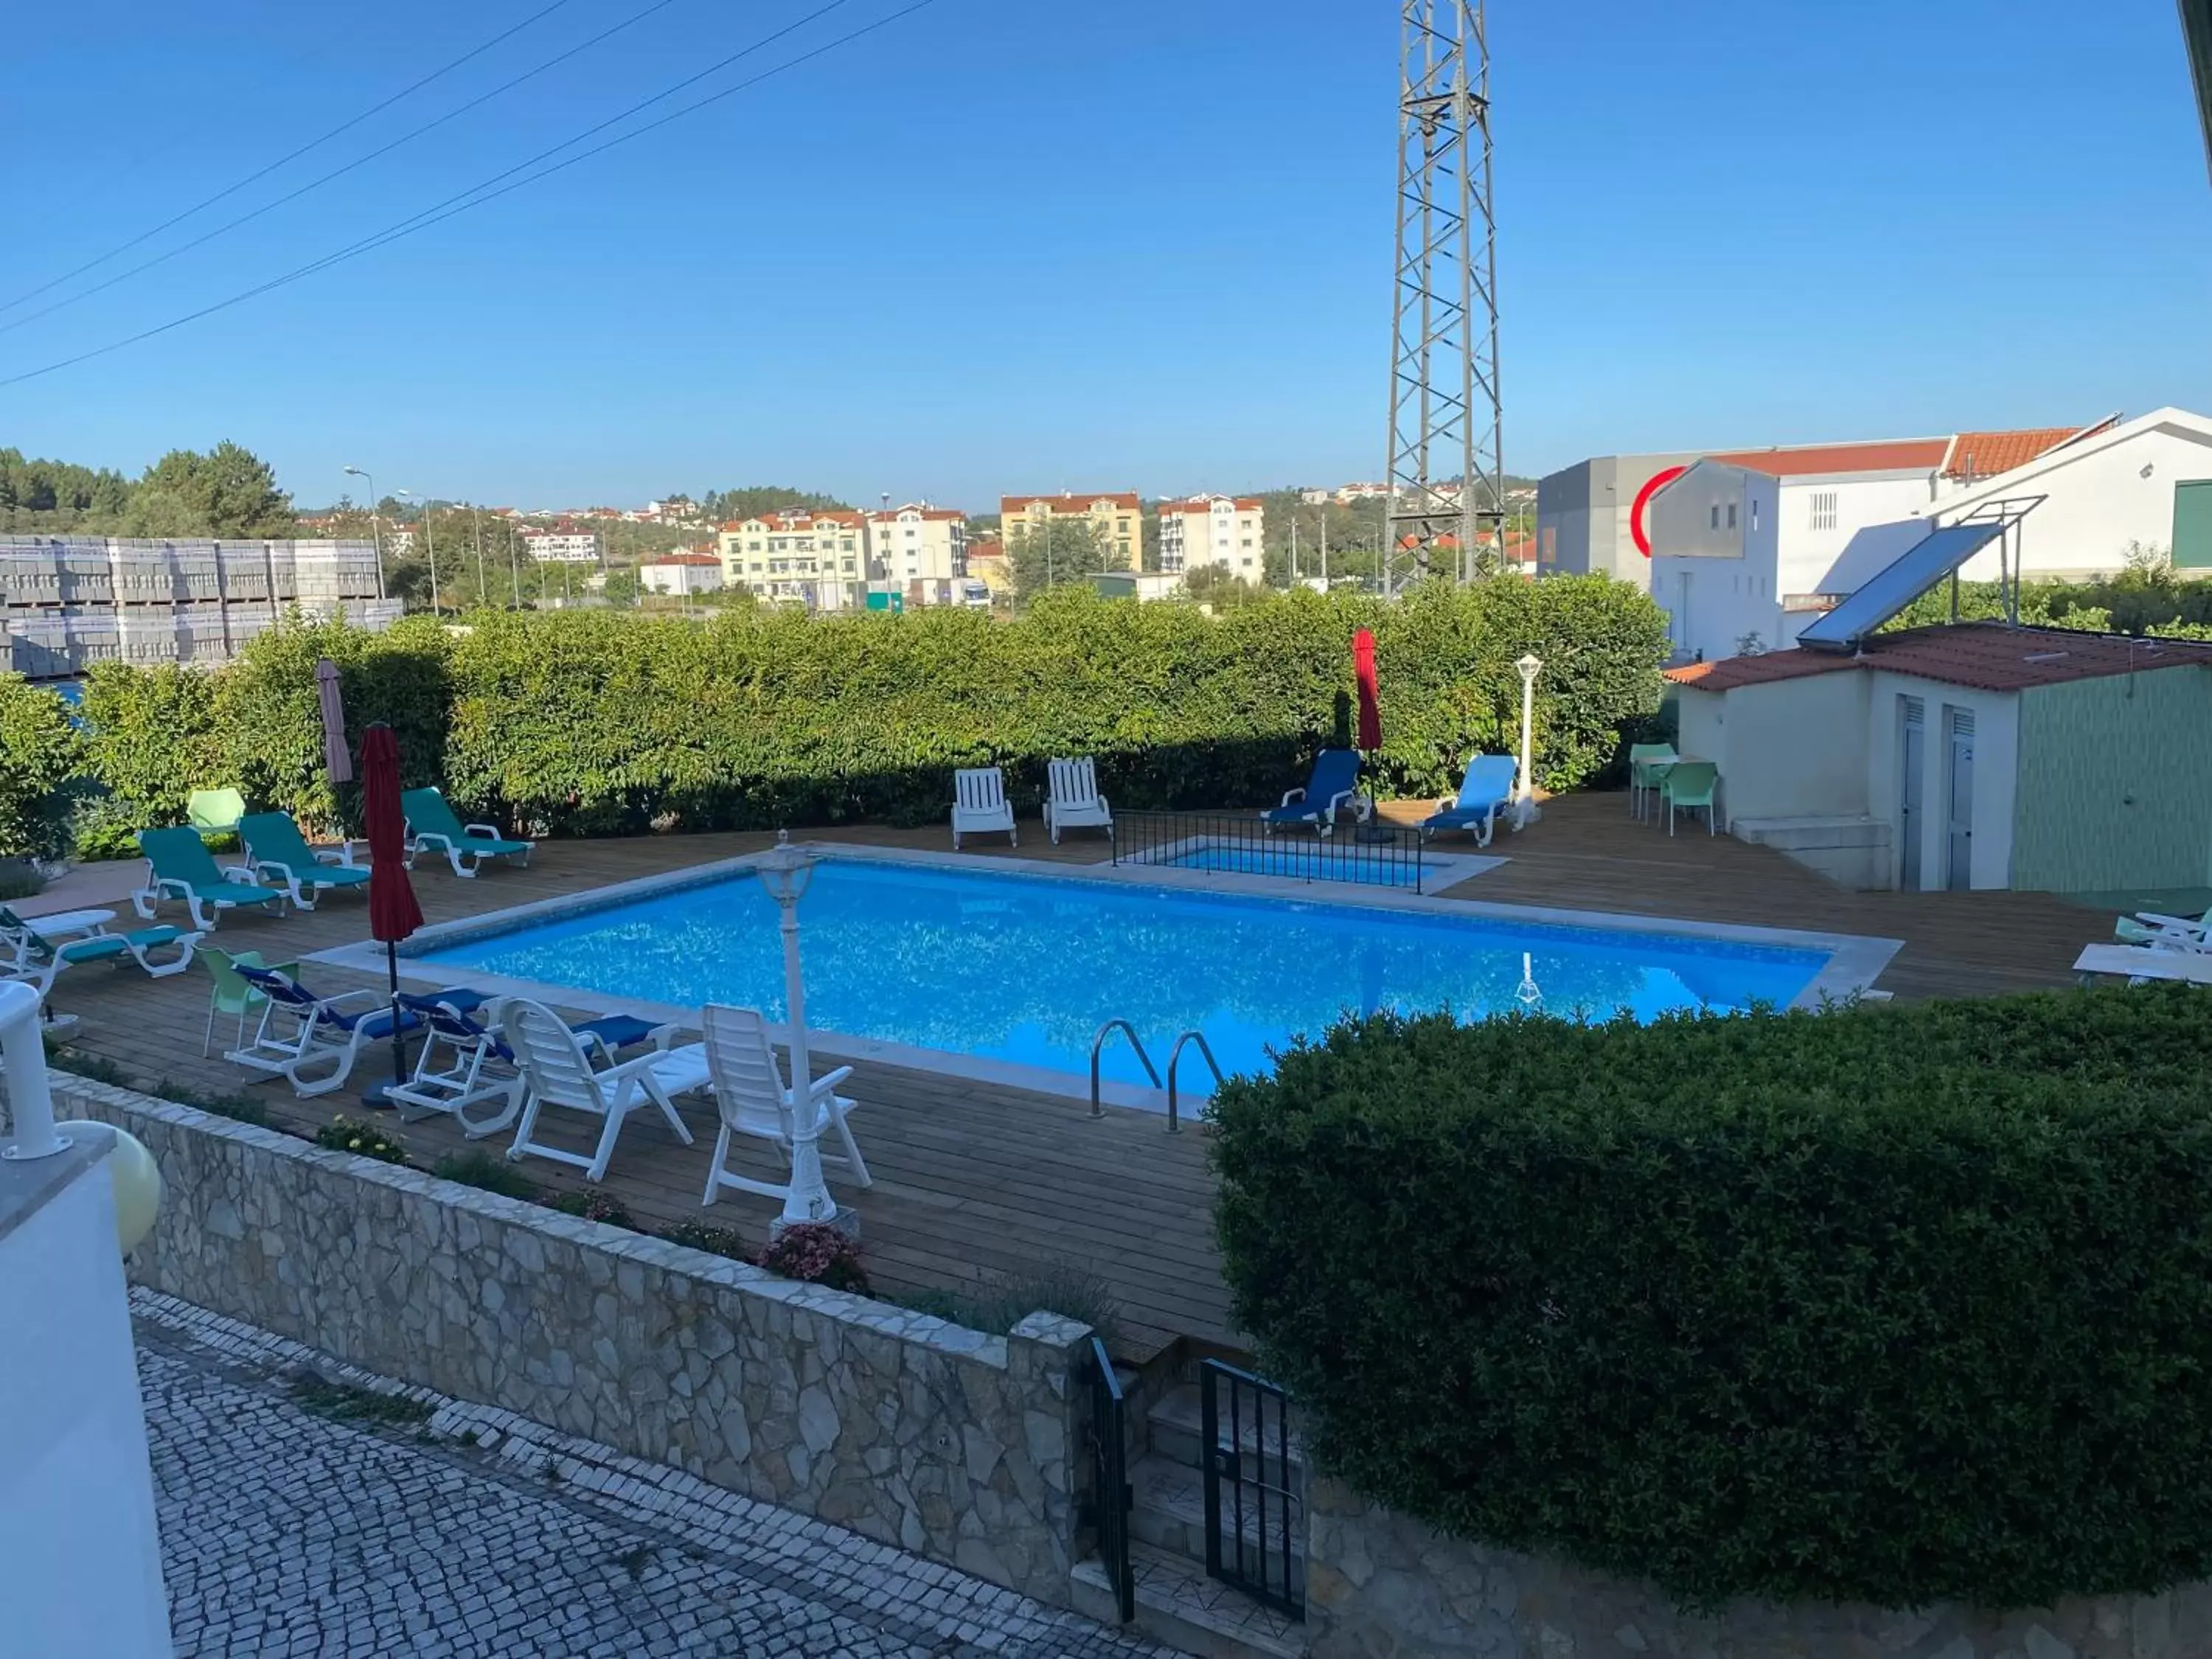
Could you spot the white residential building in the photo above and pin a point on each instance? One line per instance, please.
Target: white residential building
(922, 551)
(681, 573)
(1226, 531)
(818, 560)
(566, 545)
(1748, 547)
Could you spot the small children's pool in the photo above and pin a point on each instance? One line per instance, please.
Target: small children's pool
(1023, 968)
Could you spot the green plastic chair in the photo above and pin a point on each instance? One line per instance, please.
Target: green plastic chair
(214, 811)
(278, 853)
(1647, 765)
(231, 994)
(431, 828)
(1689, 785)
(180, 865)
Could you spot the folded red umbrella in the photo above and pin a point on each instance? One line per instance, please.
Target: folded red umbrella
(1371, 695)
(393, 915)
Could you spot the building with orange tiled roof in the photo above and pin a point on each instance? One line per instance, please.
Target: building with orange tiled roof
(922, 551)
(800, 556)
(1118, 514)
(1225, 530)
(1747, 547)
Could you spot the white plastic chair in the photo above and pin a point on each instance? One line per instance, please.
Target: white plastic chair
(1073, 800)
(754, 1100)
(979, 803)
(556, 1071)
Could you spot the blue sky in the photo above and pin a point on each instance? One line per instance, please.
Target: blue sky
(1023, 245)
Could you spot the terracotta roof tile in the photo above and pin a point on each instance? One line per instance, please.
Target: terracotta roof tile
(1205, 504)
(1815, 460)
(1985, 454)
(1988, 656)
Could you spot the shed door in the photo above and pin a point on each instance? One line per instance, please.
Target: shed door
(1912, 789)
(1959, 864)
(2192, 524)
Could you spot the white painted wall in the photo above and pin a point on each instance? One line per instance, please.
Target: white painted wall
(80, 1556)
(2100, 498)
(1713, 544)
(1807, 553)
(1795, 747)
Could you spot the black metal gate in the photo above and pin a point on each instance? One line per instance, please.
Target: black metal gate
(1254, 1510)
(1110, 1496)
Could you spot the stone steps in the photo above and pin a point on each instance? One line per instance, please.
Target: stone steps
(1170, 1513)
(1177, 1604)
(1177, 1427)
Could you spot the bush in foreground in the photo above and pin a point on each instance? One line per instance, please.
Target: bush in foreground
(1889, 1305)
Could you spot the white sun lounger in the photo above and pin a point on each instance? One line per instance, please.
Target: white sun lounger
(1073, 800)
(980, 804)
(556, 1071)
(754, 1100)
(2139, 963)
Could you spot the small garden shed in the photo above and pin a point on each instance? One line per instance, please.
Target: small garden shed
(1970, 756)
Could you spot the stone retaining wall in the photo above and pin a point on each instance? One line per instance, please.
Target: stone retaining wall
(1380, 1586)
(955, 1445)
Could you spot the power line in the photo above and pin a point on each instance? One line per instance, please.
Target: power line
(294, 155)
(339, 173)
(472, 197)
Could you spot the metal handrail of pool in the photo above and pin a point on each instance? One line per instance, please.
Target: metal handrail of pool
(1174, 1057)
(1341, 854)
(1098, 1043)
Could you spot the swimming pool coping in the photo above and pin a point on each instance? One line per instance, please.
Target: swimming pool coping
(1437, 870)
(1854, 961)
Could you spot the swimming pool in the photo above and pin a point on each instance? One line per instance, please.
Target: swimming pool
(1021, 967)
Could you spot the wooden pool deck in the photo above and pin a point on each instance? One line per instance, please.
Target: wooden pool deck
(974, 1181)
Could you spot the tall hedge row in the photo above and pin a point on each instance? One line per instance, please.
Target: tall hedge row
(603, 722)
(1889, 1305)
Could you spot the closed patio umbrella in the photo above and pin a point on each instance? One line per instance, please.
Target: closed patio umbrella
(394, 913)
(336, 759)
(1370, 694)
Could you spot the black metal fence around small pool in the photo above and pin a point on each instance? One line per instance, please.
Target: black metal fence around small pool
(1369, 854)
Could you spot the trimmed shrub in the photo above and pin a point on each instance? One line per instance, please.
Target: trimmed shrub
(40, 755)
(350, 1134)
(1881, 1304)
(594, 1204)
(819, 1253)
(488, 1172)
(598, 723)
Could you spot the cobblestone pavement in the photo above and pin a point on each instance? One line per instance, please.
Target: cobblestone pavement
(307, 1509)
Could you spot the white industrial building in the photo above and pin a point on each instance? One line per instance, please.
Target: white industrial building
(1227, 532)
(1749, 547)
(1590, 516)
(680, 574)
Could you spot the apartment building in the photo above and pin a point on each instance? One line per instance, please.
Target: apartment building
(681, 573)
(819, 560)
(1226, 531)
(1118, 514)
(564, 545)
(922, 551)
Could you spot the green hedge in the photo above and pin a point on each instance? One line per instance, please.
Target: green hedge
(603, 722)
(1890, 1305)
(39, 760)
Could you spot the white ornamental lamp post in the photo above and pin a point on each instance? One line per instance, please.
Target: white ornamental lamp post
(786, 872)
(1524, 798)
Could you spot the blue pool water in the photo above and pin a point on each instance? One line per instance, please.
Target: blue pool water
(1025, 968)
(1307, 861)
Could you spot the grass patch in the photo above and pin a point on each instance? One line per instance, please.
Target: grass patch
(1057, 1288)
(487, 1171)
(343, 1402)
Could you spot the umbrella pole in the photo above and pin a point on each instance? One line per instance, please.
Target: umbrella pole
(398, 1037)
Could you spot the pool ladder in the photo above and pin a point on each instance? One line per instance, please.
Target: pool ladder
(1175, 1059)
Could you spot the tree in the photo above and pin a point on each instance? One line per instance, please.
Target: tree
(227, 492)
(753, 500)
(41, 757)
(1063, 549)
(1210, 584)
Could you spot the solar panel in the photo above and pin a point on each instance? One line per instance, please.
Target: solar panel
(1890, 589)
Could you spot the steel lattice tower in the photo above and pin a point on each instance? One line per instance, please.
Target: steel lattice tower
(1446, 474)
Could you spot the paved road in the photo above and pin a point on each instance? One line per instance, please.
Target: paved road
(291, 1525)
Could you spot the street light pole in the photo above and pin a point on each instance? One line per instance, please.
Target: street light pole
(513, 569)
(375, 524)
(476, 519)
(431, 545)
(786, 872)
(1524, 798)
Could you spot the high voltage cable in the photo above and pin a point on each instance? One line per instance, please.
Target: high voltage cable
(294, 155)
(337, 172)
(477, 195)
